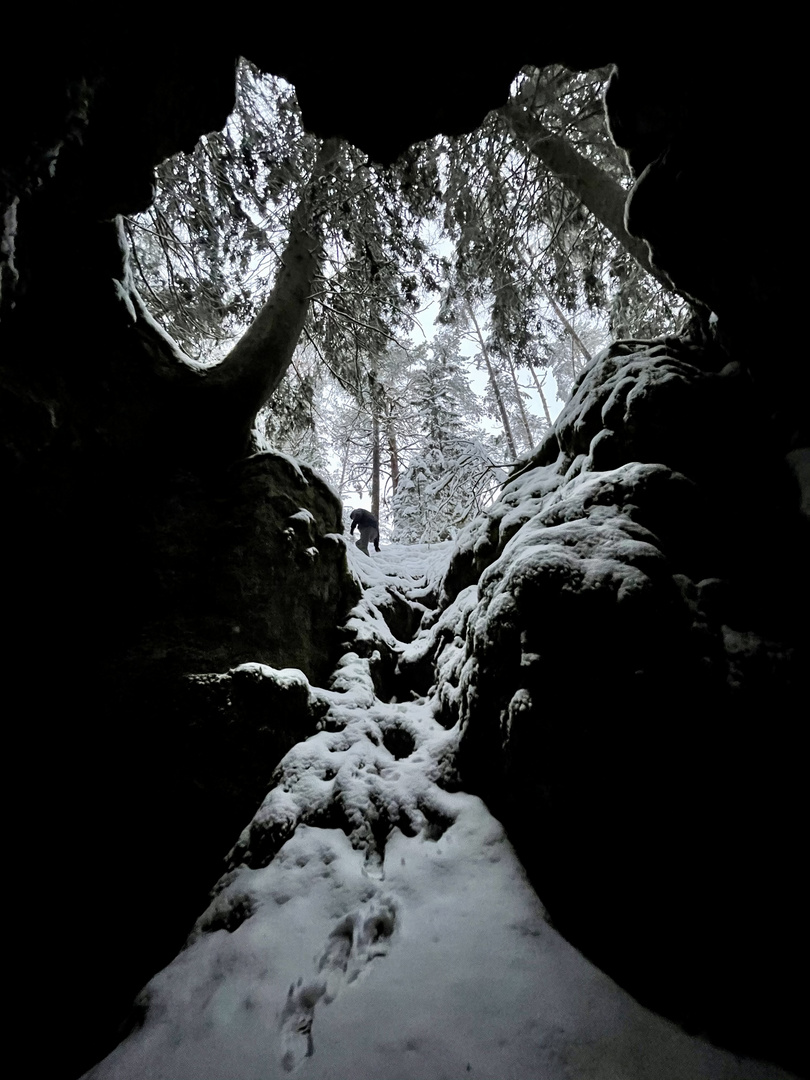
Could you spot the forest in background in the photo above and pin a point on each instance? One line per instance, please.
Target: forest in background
(419, 324)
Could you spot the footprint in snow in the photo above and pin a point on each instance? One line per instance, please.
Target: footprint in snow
(359, 937)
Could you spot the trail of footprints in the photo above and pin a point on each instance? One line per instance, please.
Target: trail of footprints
(364, 934)
(357, 939)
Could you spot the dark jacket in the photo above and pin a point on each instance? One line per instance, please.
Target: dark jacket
(364, 520)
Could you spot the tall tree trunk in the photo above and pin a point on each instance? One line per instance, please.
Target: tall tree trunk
(575, 338)
(596, 189)
(343, 468)
(393, 457)
(375, 399)
(375, 465)
(558, 311)
(507, 427)
(539, 386)
(519, 399)
(255, 366)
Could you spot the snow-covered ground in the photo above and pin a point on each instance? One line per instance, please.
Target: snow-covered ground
(377, 925)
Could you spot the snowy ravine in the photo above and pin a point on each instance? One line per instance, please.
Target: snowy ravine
(377, 925)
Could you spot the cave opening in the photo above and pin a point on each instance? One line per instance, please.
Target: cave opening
(160, 579)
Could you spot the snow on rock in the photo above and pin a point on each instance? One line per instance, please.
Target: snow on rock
(239, 723)
(615, 640)
(398, 592)
(375, 922)
(378, 926)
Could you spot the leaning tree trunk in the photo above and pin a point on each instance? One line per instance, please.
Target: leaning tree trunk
(596, 189)
(539, 386)
(519, 399)
(569, 328)
(258, 362)
(507, 427)
(558, 311)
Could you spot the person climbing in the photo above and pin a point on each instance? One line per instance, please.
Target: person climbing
(368, 528)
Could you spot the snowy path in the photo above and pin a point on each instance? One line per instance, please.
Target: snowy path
(377, 925)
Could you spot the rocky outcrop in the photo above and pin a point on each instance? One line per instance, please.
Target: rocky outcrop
(246, 565)
(626, 675)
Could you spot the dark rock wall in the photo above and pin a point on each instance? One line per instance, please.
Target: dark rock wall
(703, 137)
(629, 689)
(140, 545)
(242, 565)
(658, 815)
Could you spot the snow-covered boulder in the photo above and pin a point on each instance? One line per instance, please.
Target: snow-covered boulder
(625, 679)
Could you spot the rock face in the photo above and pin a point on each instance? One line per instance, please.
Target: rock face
(627, 673)
(141, 544)
(258, 571)
(148, 754)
